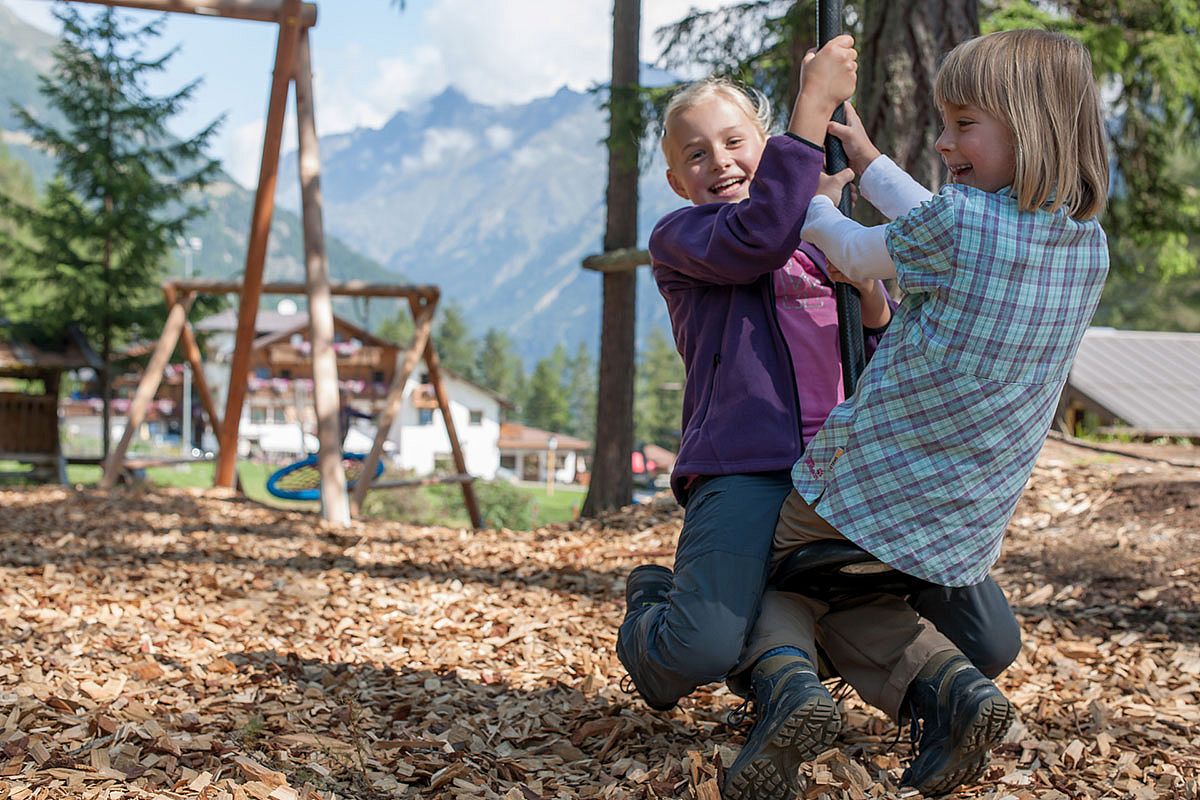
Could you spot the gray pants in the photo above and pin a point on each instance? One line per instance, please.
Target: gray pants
(721, 566)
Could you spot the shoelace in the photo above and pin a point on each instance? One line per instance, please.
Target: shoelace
(738, 716)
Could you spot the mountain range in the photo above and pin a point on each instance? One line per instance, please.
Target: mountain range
(496, 205)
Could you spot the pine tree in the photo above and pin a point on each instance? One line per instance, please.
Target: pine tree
(546, 402)
(101, 238)
(659, 392)
(581, 394)
(15, 183)
(398, 329)
(498, 367)
(1147, 58)
(455, 347)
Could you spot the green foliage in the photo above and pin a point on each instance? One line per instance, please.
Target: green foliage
(107, 222)
(658, 401)
(760, 43)
(455, 347)
(398, 329)
(581, 394)
(546, 405)
(1146, 57)
(498, 367)
(501, 505)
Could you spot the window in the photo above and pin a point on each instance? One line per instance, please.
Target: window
(424, 416)
(258, 415)
(377, 376)
(262, 373)
(508, 461)
(476, 417)
(286, 374)
(280, 416)
(443, 462)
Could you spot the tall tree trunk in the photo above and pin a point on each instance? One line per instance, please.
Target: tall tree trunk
(612, 480)
(902, 43)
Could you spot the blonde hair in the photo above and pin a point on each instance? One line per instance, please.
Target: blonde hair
(753, 103)
(1039, 84)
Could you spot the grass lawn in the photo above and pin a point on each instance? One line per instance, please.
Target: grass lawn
(561, 506)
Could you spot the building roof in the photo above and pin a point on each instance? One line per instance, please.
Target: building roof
(1149, 380)
(266, 321)
(514, 436)
(23, 352)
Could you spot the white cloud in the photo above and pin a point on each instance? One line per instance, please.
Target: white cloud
(517, 51)
(242, 149)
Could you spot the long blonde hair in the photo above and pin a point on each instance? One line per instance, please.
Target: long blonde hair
(1040, 85)
(752, 102)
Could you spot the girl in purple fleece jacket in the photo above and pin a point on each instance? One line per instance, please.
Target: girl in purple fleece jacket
(754, 319)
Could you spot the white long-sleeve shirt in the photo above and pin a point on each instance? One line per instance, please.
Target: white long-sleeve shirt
(861, 252)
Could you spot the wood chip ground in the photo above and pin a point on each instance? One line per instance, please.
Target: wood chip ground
(174, 644)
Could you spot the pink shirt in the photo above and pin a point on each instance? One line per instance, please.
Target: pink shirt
(808, 317)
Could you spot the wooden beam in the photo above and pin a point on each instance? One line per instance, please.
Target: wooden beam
(340, 289)
(256, 250)
(623, 260)
(422, 324)
(148, 385)
(191, 351)
(256, 10)
(335, 509)
(460, 463)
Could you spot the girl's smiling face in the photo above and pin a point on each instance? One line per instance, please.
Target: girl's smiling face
(713, 149)
(977, 147)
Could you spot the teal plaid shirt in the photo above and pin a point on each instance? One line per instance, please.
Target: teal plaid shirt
(924, 465)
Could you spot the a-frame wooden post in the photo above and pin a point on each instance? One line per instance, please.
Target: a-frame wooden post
(256, 250)
(151, 378)
(326, 397)
(423, 311)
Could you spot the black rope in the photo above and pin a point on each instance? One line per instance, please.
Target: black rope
(849, 305)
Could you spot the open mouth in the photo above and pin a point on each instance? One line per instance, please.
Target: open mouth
(959, 171)
(726, 187)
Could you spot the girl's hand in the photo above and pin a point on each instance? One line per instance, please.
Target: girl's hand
(831, 185)
(865, 288)
(827, 77)
(859, 149)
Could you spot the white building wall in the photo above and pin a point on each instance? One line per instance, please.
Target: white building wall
(418, 445)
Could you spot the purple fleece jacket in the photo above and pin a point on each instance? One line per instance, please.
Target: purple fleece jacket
(713, 264)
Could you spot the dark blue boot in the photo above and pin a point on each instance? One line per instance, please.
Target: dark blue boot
(963, 716)
(796, 719)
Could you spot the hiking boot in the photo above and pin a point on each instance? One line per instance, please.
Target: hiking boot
(647, 585)
(963, 716)
(796, 720)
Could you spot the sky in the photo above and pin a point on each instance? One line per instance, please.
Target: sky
(370, 60)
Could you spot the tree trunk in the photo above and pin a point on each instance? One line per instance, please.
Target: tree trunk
(902, 43)
(612, 480)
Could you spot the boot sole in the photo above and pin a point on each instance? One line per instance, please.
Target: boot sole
(807, 732)
(971, 756)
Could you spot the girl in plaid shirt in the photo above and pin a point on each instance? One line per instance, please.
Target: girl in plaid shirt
(923, 467)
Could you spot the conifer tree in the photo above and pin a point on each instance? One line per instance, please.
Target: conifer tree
(581, 394)
(546, 401)
(455, 347)
(498, 367)
(100, 239)
(659, 392)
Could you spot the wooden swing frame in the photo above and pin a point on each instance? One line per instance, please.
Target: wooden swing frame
(292, 66)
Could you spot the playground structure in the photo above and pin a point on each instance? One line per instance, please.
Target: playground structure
(292, 65)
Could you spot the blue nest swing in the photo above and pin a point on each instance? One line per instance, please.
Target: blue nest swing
(301, 480)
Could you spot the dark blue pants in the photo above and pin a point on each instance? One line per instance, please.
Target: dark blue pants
(721, 564)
